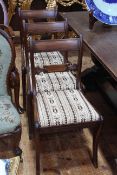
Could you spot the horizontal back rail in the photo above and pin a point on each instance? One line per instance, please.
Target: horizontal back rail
(45, 27)
(55, 45)
(38, 14)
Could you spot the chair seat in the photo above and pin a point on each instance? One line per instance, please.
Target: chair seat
(55, 81)
(9, 117)
(48, 58)
(64, 107)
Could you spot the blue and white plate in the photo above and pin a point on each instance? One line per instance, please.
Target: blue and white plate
(4, 166)
(104, 10)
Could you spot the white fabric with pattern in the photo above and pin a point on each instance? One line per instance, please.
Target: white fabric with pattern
(64, 107)
(55, 81)
(48, 58)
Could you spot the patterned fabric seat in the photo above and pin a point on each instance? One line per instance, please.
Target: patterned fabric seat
(9, 117)
(64, 107)
(55, 81)
(48, 58)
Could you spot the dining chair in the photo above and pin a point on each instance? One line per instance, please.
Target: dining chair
(35, 15)
(10, 125)
(33, 29)
(61, 107)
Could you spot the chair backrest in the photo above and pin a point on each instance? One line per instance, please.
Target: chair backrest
(37, 14)
(64, 45)
(7, 61)
(42, 28)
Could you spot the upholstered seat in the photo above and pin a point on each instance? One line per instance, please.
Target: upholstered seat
(64, 107)
(48, 58)
(9, 117)
(55, 81)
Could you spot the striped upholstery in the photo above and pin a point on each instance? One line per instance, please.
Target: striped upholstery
(55, 81)
(64, 107)
(48, 58)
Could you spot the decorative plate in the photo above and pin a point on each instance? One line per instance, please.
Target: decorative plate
(104, 10)
(9, 166)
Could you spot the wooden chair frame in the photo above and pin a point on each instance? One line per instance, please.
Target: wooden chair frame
(11, 140)
(61, 45)
(33, 29)
(27, 16)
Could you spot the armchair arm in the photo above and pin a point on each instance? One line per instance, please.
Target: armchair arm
(15, 84)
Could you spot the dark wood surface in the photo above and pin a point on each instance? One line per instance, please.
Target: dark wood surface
(101, 40)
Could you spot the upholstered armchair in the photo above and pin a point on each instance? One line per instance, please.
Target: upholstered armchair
(10, 126)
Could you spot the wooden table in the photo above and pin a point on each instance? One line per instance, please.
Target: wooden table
(102, 41)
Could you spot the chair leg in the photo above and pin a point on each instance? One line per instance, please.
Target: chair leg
(24, 86)
(96, 136)
(29, 111)
(37, 148)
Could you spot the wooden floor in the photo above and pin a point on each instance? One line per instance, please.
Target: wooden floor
(70, 153)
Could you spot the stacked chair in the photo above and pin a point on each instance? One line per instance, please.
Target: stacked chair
(58, 103)
(43, 58)
(55, 101)
(10, 126)
(31, 16)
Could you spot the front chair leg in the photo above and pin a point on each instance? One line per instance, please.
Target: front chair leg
(29, 111)
(24, 86)
(15, 84)
(37, 148)
(96, 136)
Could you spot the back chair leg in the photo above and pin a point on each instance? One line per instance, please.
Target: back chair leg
(24, 86)
(96, 136)
(37, 148)
(29, 111)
